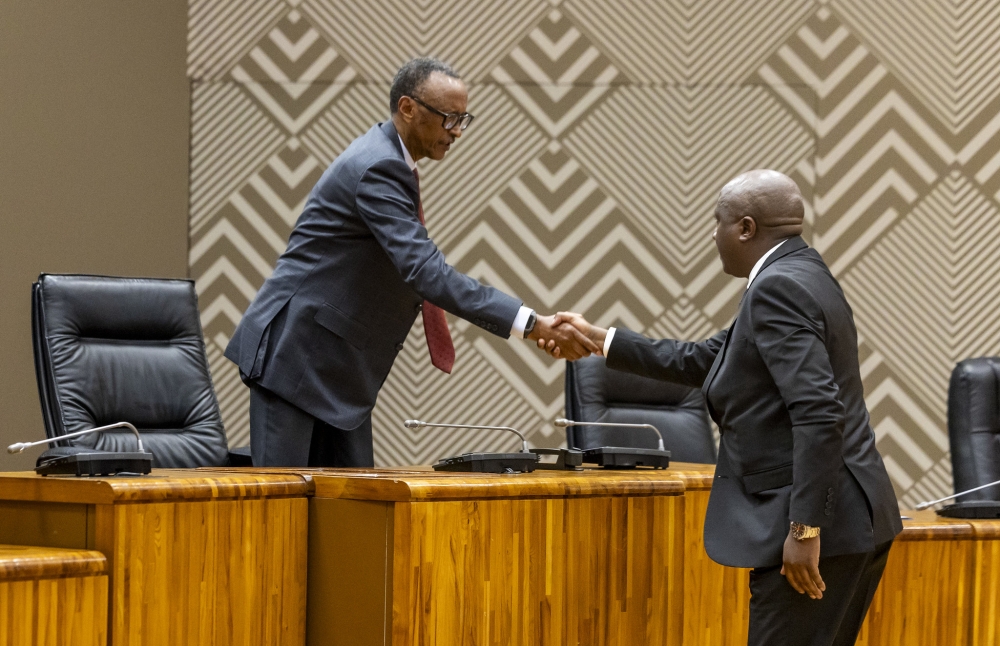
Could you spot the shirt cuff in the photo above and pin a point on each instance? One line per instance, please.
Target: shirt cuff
(607, 341)
(520, 321)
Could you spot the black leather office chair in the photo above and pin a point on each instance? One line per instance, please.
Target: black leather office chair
(974, 426)
(127, 349)
(596, 394)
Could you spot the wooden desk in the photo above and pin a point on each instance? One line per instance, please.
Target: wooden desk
(716, 598)
(941, 584)
(194, 557)
(557, 558)
(52, 596)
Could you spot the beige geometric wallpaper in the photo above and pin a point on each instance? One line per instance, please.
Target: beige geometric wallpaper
(604, 131)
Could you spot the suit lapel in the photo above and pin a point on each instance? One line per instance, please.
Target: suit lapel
(790, 246)
(717, 364)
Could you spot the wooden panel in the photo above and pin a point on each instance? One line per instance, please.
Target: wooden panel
(986, 583)
(215, 572)
(161, 484)
(50, 524)
(391, 485)
(716, 598)
(923, 598)
(350, 572)
(68, 611)
(539, 571)
(26, 562)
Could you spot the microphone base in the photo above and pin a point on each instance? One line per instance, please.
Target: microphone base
(566, 459)
(71, 461)
(489, 463)
(621, 457)
(971, 509)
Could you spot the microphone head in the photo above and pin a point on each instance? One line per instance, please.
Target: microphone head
(16, 447)
(413, 423)
(922, 506)
(562, 422)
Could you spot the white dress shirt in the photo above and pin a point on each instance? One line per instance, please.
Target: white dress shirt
(521, 320)
(753, 274)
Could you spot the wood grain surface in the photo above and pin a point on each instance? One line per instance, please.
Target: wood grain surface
(215, 572)
(924, 595)
(66, 611)
(985, 575)
(161, 484)
(27, 562)
(421, 485)
(716, 598)
(194, 557)
(579, 570)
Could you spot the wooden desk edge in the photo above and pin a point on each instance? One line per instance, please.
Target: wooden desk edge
(389, 489)
(160, 485)
(18, 562)
(400, 484)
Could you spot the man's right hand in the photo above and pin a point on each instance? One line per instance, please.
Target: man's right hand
(596, 335)
(562, 340)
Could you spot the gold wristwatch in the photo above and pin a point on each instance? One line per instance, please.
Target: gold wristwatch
(801, 532)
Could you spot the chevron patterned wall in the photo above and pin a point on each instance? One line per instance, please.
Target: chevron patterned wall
(603, 133)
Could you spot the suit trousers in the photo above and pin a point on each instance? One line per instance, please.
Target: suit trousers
(780, 616)
(283, 435)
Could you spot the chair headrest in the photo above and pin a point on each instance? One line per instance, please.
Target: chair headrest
(130, 309)
(598, 383)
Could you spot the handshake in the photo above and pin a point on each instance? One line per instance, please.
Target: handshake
(568, 335)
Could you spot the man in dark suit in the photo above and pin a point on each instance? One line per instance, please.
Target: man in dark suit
(800, 493)
(320, 337)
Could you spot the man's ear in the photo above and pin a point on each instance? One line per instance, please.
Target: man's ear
(748, 228)
(406, 108)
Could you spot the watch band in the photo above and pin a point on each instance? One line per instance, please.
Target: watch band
(801, 532)
(530, 324)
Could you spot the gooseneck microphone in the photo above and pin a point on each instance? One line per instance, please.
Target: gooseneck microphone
(924, 505)
(416, 423)
(17, 447)
(562, 422)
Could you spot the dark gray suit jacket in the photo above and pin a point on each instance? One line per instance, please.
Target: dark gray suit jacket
(784, 386)
(349, 286)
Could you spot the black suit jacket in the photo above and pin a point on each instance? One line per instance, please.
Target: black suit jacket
(349, 286)
(784, 386)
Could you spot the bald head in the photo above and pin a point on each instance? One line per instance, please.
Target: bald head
(771, 198)
(754, 212)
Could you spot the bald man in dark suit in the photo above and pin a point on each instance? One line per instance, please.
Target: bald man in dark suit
(800, 493)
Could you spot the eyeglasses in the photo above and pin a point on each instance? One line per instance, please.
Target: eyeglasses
(449, 119)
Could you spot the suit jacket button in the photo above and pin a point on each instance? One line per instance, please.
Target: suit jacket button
(399, 347)
(827, 512)
(830, 491)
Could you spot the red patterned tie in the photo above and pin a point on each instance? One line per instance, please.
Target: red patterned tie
(439, 341)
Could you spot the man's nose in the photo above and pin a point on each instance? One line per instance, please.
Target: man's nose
(456, 132)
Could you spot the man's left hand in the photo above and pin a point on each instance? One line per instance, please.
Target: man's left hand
(801, 566)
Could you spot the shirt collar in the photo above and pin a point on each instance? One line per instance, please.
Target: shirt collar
(760, 263)
(406, 155)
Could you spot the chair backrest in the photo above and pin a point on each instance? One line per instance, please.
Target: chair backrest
(126, 349)
(596, 394)
(974, 426)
